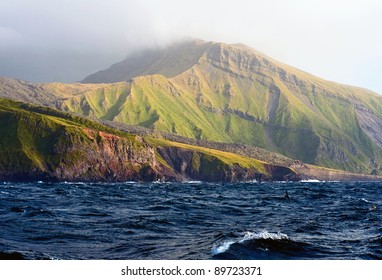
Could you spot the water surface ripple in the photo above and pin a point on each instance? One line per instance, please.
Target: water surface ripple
(193, 220)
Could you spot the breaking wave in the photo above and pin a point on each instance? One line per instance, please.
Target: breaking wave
(264, 245)
(248, 236)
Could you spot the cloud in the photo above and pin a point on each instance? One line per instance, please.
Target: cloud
(333, 39)
(9, 37)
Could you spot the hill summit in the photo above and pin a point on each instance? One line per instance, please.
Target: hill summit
(169, 62)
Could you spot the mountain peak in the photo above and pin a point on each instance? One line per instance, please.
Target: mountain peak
(177, 58)
(165, 61)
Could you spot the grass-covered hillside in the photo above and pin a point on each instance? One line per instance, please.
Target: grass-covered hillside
(45, 144)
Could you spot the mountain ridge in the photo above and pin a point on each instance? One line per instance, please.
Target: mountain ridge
(152, 61)
(234, 94)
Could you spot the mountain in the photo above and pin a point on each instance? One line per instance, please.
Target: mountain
(234, 94)
(223, 93)
(39, 143)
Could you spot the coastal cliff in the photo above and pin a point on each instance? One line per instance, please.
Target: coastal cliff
(39, 143)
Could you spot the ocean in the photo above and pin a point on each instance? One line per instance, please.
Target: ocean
(192, 220)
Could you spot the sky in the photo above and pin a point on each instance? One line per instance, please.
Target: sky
(66, 40)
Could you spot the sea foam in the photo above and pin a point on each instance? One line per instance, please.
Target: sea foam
(224, 247)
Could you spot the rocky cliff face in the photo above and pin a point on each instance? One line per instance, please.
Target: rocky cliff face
(108, 157)
(195, 165)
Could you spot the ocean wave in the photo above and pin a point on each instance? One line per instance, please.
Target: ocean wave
(74, 183)
(248, 236)
(311, 181)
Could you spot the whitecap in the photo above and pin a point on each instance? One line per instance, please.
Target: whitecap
(192, 182)
(224, 247)
(264, 235)
(75, 183)
(311, 181)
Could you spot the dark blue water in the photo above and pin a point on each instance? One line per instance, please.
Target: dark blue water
(191, 221)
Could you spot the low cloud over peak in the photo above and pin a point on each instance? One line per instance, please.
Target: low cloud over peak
(46, 40)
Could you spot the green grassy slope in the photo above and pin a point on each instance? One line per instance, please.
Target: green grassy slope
(40, 139)
(37, 142)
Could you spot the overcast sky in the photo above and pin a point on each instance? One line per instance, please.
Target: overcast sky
(65, 40)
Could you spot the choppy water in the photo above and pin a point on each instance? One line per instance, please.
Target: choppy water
(191, 221)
